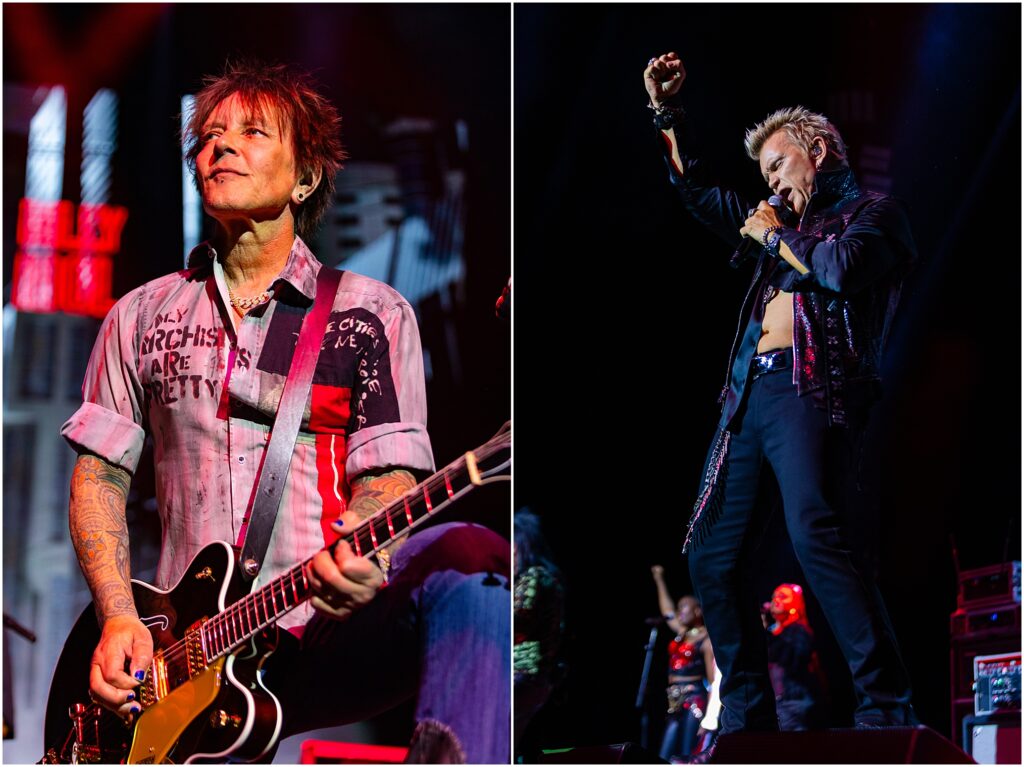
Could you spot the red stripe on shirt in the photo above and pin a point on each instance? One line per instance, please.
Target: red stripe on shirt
(330, 481)
(329, 410)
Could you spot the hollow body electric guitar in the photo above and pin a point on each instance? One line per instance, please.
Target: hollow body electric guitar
(203, 699)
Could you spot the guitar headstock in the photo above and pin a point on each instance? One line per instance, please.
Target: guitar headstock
(493, 459)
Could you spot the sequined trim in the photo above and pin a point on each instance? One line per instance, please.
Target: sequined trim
(708, 507)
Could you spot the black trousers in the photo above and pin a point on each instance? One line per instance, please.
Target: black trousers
(815, 466)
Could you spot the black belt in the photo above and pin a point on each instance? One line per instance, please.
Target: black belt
(769, 362)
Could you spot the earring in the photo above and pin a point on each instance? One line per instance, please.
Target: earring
(301, 195)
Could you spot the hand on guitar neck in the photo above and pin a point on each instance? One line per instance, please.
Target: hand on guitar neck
(344, 582)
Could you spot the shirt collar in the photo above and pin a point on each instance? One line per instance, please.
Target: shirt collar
(831, 187)
(299, 271)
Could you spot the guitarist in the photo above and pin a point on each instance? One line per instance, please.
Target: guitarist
(197, 360)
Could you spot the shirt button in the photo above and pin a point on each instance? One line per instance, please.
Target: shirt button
(241, 459)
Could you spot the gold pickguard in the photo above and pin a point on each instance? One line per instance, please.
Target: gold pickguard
(162, 724)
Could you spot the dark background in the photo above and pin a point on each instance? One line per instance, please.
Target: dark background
(626, 310)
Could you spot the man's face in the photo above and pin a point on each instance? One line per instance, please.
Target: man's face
(788, 169)
(246, 167)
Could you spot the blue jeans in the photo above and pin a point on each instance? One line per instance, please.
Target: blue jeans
(816, 467)
(439, 630)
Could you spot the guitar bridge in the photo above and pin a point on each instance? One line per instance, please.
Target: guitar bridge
(195, 655)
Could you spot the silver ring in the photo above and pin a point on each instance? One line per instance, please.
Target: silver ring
(653, 59)
(751, 212)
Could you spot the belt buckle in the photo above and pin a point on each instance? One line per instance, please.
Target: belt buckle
(768, 362)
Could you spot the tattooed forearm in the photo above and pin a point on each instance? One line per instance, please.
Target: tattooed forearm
(99, 532)
(372, 492)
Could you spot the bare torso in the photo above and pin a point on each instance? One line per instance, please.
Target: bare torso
(777, 327)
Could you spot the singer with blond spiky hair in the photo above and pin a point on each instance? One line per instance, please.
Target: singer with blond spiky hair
(828, 260)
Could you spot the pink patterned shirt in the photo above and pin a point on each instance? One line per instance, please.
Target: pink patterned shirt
(169, 362)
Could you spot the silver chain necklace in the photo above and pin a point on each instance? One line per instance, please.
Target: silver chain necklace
(245, 304)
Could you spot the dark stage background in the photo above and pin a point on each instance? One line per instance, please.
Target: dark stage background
(626, 309)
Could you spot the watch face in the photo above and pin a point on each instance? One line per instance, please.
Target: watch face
(773, 241)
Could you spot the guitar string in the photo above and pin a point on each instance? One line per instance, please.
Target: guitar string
(109, 723)
(250, 604)
(238, 612)
(237, 619)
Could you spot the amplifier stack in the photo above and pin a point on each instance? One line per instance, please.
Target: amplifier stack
(985, 664)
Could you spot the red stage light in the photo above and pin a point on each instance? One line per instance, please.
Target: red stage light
(61, 268)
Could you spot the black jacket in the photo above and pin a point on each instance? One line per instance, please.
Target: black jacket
(857, 246)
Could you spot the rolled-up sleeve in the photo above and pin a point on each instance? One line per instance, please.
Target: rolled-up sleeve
(389, 427)
(109, 422)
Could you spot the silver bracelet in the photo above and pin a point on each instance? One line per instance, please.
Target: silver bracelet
(666, 116)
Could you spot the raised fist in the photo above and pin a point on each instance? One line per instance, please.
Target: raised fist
(663, 77)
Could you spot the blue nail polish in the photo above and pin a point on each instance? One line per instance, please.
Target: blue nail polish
(131, 696)
(135, 710)
(338, 522)
(140, 674)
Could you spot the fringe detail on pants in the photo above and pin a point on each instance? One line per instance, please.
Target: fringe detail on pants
(708, 507)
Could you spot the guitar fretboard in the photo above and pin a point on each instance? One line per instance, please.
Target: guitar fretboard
(247, 617)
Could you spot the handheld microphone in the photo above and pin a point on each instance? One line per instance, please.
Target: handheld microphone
(748, 248)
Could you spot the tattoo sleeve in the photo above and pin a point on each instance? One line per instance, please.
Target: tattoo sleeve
(372, 492)
(99, 531)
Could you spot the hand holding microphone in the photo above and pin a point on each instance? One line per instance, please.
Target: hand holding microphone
(768, 213)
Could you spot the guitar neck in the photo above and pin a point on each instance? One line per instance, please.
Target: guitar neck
(265, 606)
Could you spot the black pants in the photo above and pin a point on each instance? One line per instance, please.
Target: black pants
(681, 726)
(815, 466)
